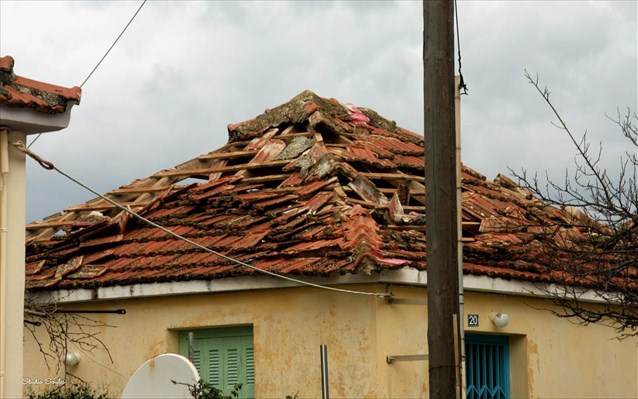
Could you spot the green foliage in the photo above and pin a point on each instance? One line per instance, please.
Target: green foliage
(205, 390)
(70, 391)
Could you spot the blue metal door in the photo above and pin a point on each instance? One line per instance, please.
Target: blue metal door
(487, 374)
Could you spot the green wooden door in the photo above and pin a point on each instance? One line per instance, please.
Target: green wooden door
(224, 357)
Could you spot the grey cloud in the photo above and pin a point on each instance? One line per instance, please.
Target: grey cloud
(184, 70)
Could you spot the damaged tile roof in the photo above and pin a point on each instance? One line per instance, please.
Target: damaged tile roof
(310, 187)
(17, 91)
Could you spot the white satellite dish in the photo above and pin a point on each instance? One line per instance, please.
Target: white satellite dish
(153, 378)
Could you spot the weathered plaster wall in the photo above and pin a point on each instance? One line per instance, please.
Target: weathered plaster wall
(289, 326)
(555, 358)
(550, 357)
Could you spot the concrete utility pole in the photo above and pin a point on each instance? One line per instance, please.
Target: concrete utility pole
(440, 199)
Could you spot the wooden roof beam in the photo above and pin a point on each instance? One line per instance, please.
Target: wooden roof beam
(234, 168)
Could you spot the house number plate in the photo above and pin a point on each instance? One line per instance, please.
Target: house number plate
(472, 320)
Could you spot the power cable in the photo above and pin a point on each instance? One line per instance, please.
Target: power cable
(103, 57)
(113, 45)
(462, 85)
(50, 166)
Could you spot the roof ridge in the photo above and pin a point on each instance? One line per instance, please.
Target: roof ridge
(309, 187)
(277, 129)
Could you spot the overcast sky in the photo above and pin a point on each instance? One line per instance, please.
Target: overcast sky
(184, 70)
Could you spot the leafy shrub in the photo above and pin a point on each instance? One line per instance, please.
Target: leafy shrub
(205, 390)
(70, 391)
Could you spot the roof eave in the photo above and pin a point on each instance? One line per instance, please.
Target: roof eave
(30, 121)
(404, 276)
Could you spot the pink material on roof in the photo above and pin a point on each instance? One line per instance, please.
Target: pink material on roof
(299, 190)
(20, 92)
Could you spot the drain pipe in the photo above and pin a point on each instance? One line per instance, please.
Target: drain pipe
(4, 171)
(325, 388)
(459, 209)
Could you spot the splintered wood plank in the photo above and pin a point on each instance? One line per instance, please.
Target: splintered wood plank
(385, 190)
(343, 138)
(229, 155)
(298, 134)
(391, 176)
(47, 232)
(287, 130)
(193, 164)
(261, 179)
(43, 225)
(412, 208)
(269, 151)
(339, 190)
(283, 189)
(49, 226)
(138, 190)
(419, 227)
(105, 206)
(367, 204)
(367, 190)
(207, 171)
(217, 163)
(258, 142)
(143, 190)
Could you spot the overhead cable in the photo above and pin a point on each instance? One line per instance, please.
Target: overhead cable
(113, 45)
(101, 59)
(50, 166)
(462, 85)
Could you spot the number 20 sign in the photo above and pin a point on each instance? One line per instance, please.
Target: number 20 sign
(472, 320)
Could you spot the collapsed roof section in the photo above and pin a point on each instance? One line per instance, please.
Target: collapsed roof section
(311, 187)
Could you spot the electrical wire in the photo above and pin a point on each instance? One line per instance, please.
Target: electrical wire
(90, 357)
(113, 45)
(34, 140)
(462, 85)
(50, 166)
(103, 58)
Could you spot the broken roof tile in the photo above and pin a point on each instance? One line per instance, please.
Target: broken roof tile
(20, 92)
(303, 189)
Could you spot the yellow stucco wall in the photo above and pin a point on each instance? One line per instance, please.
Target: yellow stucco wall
(12, 216)
(550, 357)
(564, 360)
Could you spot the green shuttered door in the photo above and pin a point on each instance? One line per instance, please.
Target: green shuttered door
(224, 357)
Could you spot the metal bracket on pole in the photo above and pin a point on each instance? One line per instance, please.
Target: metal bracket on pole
(112, 311)
(391, 300)
(405, 358)
(406, 301)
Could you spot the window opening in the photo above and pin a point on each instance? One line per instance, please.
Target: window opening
(223, 357)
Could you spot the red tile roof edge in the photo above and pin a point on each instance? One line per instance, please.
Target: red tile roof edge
(20, 92)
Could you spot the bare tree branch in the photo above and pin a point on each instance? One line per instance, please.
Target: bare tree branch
(597, 252)
(62, 331)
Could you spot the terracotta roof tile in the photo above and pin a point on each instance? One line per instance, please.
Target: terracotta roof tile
(302, 190)
(20, 92)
